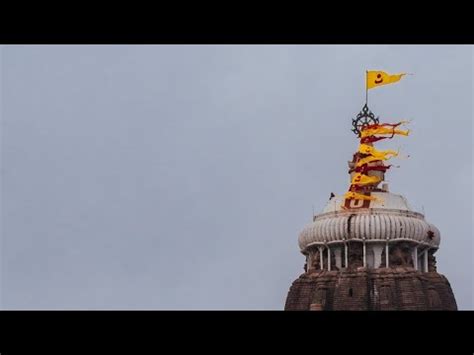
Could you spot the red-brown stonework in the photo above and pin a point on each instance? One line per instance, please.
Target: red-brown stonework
(400, 288)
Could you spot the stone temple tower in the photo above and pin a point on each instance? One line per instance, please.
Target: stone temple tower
(370, 254)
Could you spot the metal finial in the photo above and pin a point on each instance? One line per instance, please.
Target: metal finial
(364, 118)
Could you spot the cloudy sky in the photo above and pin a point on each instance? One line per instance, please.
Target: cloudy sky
(179, 177)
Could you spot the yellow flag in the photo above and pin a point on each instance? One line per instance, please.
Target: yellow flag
(370, 159)
(362, 179)
(380, 154)
(382, 130)
(356, 196)
(376, 78)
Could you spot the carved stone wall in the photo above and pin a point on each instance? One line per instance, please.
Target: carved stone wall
(400, 255)
(371, 289)
(431, 262)
(355, 255)
(315, 259)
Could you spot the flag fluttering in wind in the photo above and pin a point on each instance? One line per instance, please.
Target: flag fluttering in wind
(362, 179)
(376, 78)
(379, 154)
(383, 128)
(369, 159)
(351, 195)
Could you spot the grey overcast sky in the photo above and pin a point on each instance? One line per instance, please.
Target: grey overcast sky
(179, 177)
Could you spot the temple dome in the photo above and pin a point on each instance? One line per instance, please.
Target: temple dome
(390, 219)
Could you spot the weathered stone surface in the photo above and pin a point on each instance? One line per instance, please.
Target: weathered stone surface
(361, 289)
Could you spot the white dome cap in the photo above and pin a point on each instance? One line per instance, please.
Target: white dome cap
(386, 200)
(391, 219)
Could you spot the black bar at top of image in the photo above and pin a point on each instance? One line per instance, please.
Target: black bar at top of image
(209, 33)
(324, 23)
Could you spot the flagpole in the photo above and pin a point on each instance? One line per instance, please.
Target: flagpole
(366, 87)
